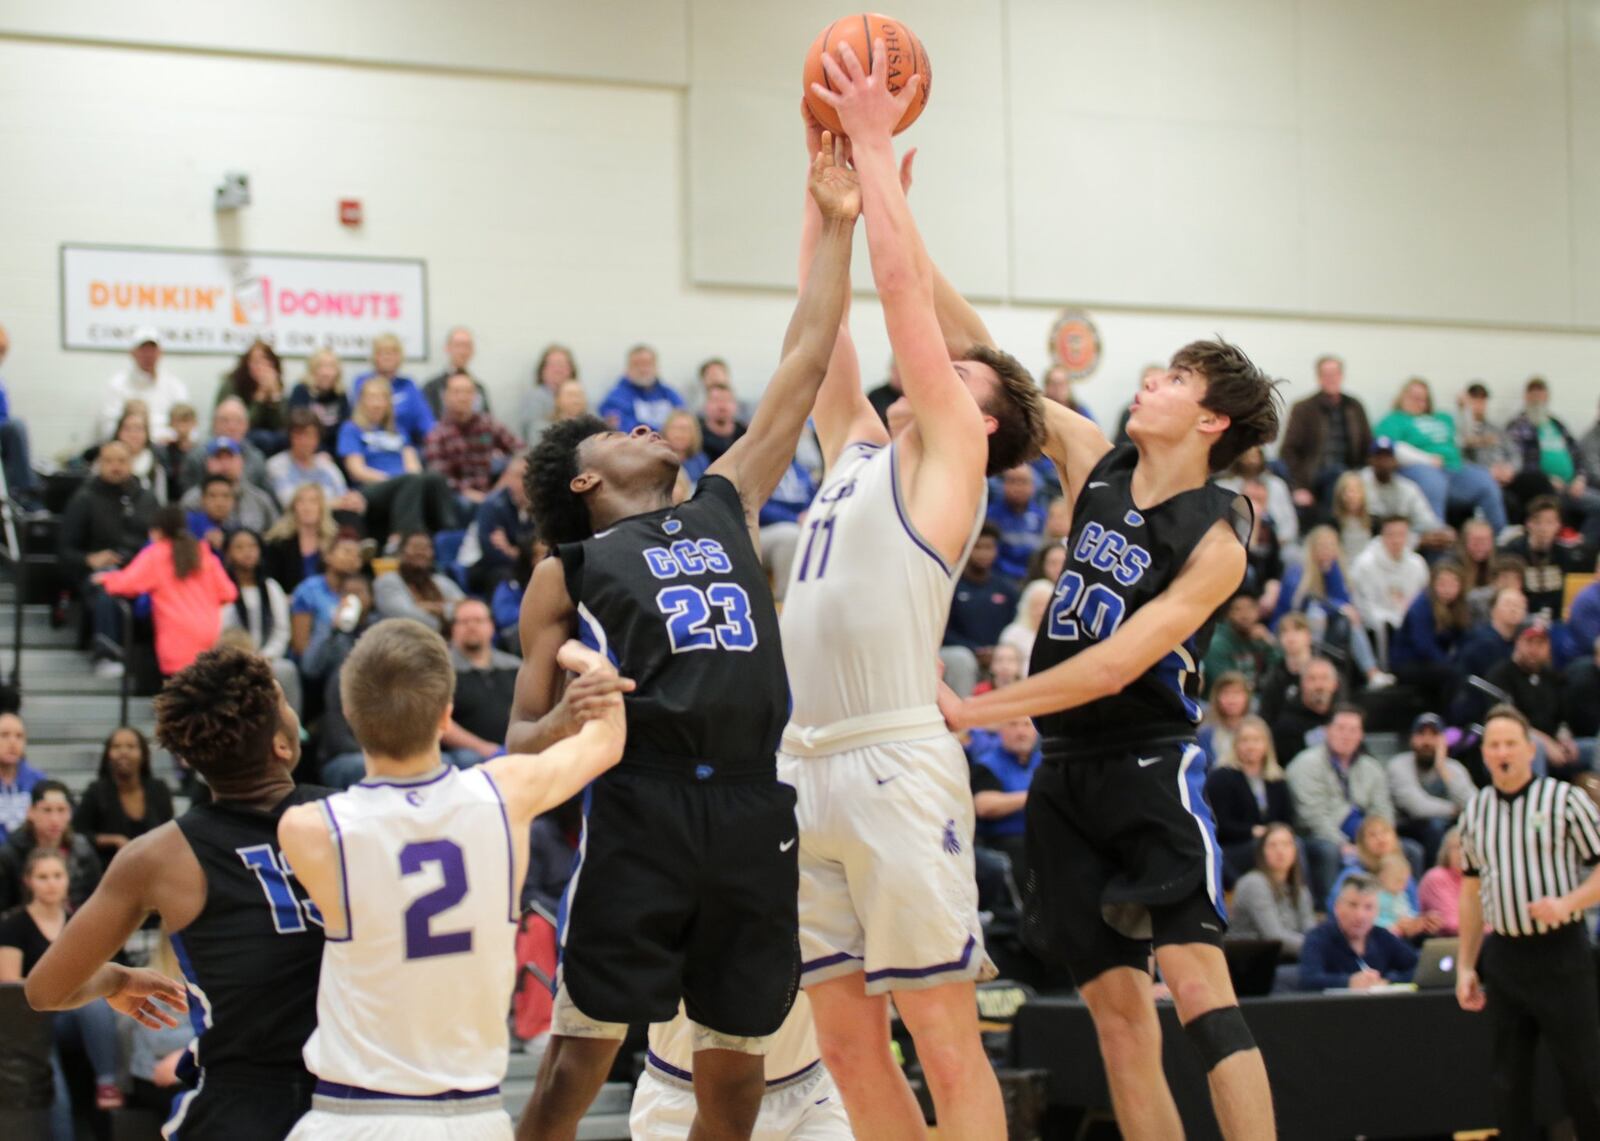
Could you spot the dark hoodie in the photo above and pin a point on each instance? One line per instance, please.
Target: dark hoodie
(102, 516)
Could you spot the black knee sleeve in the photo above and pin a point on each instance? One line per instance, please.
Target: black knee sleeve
(1218, 1034)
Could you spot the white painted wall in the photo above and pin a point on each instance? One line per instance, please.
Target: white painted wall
(592, 210)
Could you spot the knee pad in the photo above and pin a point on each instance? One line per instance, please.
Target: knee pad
(1218, 1034)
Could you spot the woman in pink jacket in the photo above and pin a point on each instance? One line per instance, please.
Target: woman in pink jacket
(187, 587)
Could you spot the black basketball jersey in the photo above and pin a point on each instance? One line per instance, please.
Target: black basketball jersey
(1119, 558)
(678, 599)
(253, 955)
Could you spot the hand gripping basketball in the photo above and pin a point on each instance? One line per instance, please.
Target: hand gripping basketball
(867, 109)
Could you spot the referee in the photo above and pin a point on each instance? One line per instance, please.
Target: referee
(1525, 843)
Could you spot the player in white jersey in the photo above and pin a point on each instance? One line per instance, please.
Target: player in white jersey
(417, 873)
(888, 902)
(800, 1103)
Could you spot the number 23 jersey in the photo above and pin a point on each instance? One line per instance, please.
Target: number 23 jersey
(679, 600)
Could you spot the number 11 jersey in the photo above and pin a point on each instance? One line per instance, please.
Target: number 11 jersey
(414, 991)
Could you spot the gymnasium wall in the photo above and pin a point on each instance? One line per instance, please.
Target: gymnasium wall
(1412, 183)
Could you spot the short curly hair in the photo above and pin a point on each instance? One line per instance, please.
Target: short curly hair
(1237, 389)
(559, 514)
(220, 714)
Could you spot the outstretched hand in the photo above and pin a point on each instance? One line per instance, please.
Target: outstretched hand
(867, 109)
(834, 185)
(150, 998)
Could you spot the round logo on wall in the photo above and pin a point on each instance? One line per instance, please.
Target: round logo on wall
(1075, 343)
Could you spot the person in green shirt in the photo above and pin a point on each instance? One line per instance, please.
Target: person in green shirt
(1425, 442)
(1552, 461)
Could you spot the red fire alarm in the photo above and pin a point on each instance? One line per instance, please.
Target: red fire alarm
(350, 211)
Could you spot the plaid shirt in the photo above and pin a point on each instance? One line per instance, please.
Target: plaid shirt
(465, 453)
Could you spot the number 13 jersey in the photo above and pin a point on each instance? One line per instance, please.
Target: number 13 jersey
(414, 991)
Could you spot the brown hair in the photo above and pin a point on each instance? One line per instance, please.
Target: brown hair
(1509, 713)
(173, 525)
(1540, 503)
(395, 687)
(1237, 389)
(1457, 615)
(1017, 406)
(37, 857)
(1293, 882)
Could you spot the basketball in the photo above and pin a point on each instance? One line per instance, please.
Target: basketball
(906, 58)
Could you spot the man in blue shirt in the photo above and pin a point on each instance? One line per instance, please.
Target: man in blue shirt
(1350, 951)
(412, 416)
(639, 397)
(1020, 519)
(17, 776)
(14, 438)
(985, 602)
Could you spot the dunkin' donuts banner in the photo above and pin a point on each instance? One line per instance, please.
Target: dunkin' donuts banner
(214, 301)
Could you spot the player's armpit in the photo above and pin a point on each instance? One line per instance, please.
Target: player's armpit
(1074, 444)
(308, 846)
(547, 620)
(842, 414)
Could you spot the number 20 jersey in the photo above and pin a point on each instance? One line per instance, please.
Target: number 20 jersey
(1119, 557)
(678, 599)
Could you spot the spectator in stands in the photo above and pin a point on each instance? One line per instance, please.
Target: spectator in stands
(1047, 564)
(1306, 709)
(1506, 572)
(229, 421)
(1272, 901)
(1350, 951)
(1019, 518)
(1533, 686)
(984, 602)
(468, 447)
(1475, 552)
(1024, 628)
(720, 421)
(125, 799)
(1390, 493)
(253, 508)
(1251, 467)
(505, 605)
(486, 682)
(1548, 560)
(107, 519)
(415, 589)
(322, 394)
(1352, 514)
(1057, 386)
(1489, 643)
(1316, 588)
(341, 762)
(640, 396)
(713, 373)
(1376, 840)
(1422, 650)
(572, 401)
(1228, 706)
(1248, 794)
(144, 379)
(1481, 442)
(174, 454)
(312, 605)
(1397, 900)
(1005, 667)
(133, 433)
(304, 462)
(25, 935)
(15, 454)
(1547, 456)
(212, 522)
(17, 776)
(260, 611)
(1387, 577)
(1580, 705)
(257, 380)
(1296, 647)
(1003, 766)
(1241, 643)
(780, 519)
(1583, 617)
(48, 828)
(682, 431)
(537, 411)
(292, 549)
(1265, 556)
(400, 496)
(1425, 444)
(883, 397)
(155, 1052)
(187, 587)
(413, 419)
(459, 347)
(1439, 894)
(1334, 786)
(489, 550)
(1327, 434)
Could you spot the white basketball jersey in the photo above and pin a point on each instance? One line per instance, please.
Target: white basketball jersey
(413, 999)
(792, 1052)
(868, 597)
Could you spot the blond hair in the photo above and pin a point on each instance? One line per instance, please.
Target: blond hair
(395, 687)
(387, 389)
(1270, 768)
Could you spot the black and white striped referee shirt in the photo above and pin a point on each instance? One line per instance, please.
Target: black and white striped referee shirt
(1534, 844)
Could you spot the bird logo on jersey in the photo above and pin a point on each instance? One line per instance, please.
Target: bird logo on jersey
(952, 842)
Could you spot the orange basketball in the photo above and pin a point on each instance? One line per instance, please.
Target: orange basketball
(906, 58)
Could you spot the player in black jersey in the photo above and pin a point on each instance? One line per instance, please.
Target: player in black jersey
(248, 940)
(1122, 847)
(687, 878)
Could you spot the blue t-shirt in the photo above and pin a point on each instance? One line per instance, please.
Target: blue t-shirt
(412, 415)
(382, 449)
(505, 605)
(16, 797)
(1020, 535)
(1014, 776)
(791, 497)
(630, 405)
(314, 597)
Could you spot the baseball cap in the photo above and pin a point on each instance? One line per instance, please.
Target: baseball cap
(1428, 721)
(1383, 445)
(145, 335)
(1533, 629)
(224, 444)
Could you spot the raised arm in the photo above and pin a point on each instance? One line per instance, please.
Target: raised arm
(757, 462)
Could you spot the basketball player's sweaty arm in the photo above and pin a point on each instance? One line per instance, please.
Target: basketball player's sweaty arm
(941, 490)
(528, 784)
(762, 455)
(156, 872)
(1210, 577)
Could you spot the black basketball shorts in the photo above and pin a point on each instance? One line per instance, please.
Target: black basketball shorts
(232, 1108)
(685, 888)
(1122, 855)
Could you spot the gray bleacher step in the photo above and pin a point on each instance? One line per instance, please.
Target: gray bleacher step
(56, 717)
(58, 670)
(36, 629)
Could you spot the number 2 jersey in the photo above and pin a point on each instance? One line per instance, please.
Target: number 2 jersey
(1119, 557)
(678, 599)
